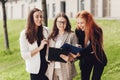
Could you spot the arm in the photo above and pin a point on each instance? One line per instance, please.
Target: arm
(80, 36)
(74, 39)
(73, 49)
(86, 51)
(26, 53)
(24, 49)
(38, 49)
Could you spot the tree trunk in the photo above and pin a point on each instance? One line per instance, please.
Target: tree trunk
(44, 9)
(5, 26)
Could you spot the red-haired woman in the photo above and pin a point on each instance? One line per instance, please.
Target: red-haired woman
(88, 32)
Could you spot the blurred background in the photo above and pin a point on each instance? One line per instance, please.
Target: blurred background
(13, 15)
(18, 9)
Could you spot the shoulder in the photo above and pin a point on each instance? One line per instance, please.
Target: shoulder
(71, 34)
(45, 28)
(45, 31)
(22, 33)
(98, 30)
(79, 31)
(72, 39)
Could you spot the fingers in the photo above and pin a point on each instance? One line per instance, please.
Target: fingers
(78, 54)
(74, 56)
(78, 45)
(70, 58)
(67, 58)
(44, 41)
(64, 57)
(42, 44)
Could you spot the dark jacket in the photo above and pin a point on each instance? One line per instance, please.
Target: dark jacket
(81, 35)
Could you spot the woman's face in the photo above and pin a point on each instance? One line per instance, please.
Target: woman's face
(61, 23)
(37, 16)
(81, 23)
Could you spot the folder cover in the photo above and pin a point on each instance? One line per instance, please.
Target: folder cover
(54, 54)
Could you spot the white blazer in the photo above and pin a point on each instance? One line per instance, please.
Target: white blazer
(32, 63)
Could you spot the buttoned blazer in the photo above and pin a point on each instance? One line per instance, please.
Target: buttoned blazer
(68, 69)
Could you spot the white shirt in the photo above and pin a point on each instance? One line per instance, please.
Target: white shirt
(58, 45)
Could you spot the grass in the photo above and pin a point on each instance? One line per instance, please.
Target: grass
(12, 66)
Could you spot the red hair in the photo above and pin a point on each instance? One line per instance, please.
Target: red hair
(92, 32)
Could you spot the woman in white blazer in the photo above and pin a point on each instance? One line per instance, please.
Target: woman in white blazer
(33, 45)
(61, 34)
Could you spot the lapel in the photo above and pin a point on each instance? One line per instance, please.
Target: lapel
(65, 36)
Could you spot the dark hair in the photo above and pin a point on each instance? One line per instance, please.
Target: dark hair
(31, 33)
(55, 29)
(92, 32)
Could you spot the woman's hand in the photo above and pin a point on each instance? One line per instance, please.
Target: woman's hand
(75, 56)
(78, 45)
(64, 57)
(36, 50)
(43, 42)
(70, 57)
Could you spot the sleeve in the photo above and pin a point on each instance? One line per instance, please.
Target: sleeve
(86, 51)
(76, 32)
(24, 48)
(80, 36)
(74, 39)
(73, 49)
(46, 32)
